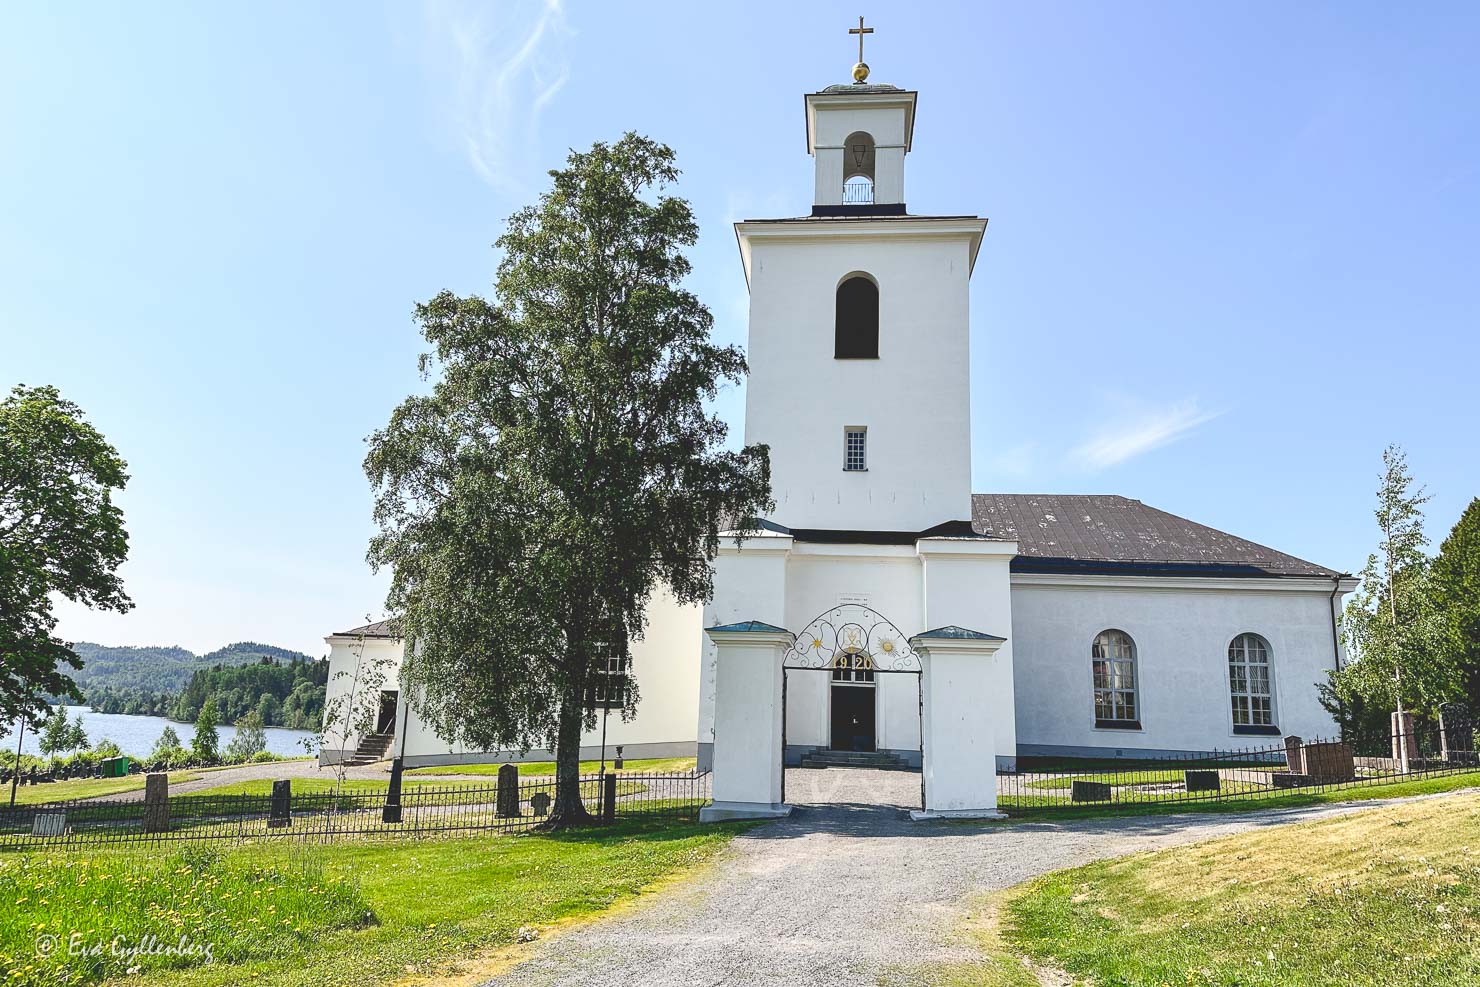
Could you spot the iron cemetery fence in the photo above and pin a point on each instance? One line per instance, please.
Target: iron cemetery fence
(1293, 766)
(421, 810)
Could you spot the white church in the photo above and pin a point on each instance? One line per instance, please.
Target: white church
(885, 610)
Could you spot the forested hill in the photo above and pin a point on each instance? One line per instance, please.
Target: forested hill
(163, 669)
(286, 688)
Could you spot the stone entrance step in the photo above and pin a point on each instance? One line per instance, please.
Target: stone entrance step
(855, 759)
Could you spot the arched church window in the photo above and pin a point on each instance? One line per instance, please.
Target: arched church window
(1250, 685)
(856, 325)
(1117, 702)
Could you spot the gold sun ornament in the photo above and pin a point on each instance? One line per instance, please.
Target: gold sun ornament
(887, 646)
(817, 642)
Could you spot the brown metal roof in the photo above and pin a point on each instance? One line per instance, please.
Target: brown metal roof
(1104, 533)
(381, 628)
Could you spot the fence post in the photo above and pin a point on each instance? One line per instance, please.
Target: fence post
(392, 811)
(609, 797)
(508, 791)
(281, 812)
(1402, 739)
(156, 802)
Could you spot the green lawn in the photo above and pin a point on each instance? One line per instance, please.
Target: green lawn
(354, 913)
(1383, 897)
(1247, 798)
(535, 769)
(82, 788)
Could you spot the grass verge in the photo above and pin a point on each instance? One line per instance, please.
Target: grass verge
(1038, 810)
(1382, 897)
(391, 909)
(82, 788)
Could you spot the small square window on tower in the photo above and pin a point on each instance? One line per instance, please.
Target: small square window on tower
(855, 448)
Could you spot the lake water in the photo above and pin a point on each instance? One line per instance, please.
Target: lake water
(136, 735)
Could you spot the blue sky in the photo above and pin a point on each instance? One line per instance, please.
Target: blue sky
(1232, 249)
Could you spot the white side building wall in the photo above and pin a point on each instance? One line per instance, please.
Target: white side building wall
(664, 663)
(1181, 629)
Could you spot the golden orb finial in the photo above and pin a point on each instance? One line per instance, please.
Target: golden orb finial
(860, 71)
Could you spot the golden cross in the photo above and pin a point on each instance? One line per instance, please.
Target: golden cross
(860, 30)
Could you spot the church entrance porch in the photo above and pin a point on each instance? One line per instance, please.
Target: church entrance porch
(835, 672)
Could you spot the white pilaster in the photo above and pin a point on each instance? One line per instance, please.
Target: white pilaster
(747, 721)
(959, 668)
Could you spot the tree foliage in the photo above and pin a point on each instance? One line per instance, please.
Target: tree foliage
(60, 535)
(250, 739)
(1455, 581)
(1398, 659)
(564, 465)
(205, 747)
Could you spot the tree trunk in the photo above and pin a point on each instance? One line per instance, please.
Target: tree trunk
(569, 810)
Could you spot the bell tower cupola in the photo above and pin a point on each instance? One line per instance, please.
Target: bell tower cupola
(858, 136)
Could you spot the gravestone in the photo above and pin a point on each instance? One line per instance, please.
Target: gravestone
(1204, 781)
(391, 811)
(1295, 755)
(1089, 791)
(508, 791)
(49, 823)
(280, 811)
(1329, 763)
(157, 802)
(609, 798)
(540, 802)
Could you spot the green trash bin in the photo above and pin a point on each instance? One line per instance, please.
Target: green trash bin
(114, 767)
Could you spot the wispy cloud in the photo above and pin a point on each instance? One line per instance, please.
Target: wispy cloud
(1134, 434)
(504, 63)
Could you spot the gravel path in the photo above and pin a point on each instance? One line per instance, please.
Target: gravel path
(271, 771)
(841, 893)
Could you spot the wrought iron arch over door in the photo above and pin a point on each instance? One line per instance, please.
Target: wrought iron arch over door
(852, 629)
(848, 632)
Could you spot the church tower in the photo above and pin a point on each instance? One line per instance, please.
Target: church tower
(859, 345)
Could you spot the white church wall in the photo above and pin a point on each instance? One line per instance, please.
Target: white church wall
(749, 584)
(799, 397)
(966, 583)
(1181, 629)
